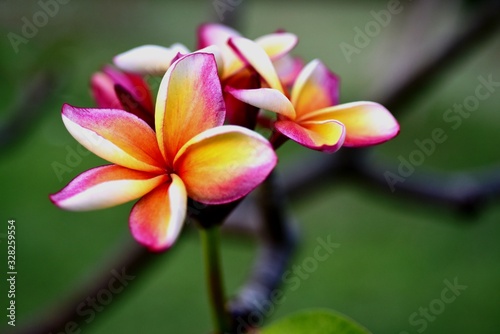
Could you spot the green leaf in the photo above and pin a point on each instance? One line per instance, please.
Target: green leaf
(319, 321)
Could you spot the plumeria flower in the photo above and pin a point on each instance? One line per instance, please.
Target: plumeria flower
(155, 59)
(190, 154)
(311, 116)
(237, 74)
(149, 59)
(276, 46)
(120, 90)
(213, 38)
(288, 68)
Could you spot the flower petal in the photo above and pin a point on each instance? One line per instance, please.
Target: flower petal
(214, 34)
(254, 55)
(224, 164)
(189, 102)
(133, 106)
(275, 45)
(157, 219)
(103, 91)
(366, 123)
(265, 98)
(134, 84)
(237, 111)
(149, 59)
(104, 187)
(327, 136)
(288, 69)
(232, 63)
(278, 44)
(116, 136)
(315, 88)
(217, 52)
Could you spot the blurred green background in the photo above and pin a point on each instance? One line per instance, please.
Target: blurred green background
(394, 254)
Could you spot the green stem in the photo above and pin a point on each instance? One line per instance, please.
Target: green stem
(210, 245)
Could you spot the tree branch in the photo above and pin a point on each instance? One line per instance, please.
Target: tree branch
(27, 109)
(482, 26)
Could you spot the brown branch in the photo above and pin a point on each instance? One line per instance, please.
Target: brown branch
(482, 26)
(27, 109)
(465, 191)
(277, 242)
(113, 278)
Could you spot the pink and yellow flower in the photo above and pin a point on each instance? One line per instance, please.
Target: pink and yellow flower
(311, 115)
(237, 74)
(212, 38)
(114, 89)
(276, 45)
(191, 154)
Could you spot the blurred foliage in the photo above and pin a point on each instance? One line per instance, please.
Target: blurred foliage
(315, 322)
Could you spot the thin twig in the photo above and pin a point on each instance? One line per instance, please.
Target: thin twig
(27, 109)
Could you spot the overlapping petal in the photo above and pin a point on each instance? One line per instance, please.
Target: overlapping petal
(288, 68)
(312, 108)
(214, 34)
(278, 44)
(113, 89)
(237, 111)
(189, 102)
(315, 88)
(275, 46)
(139, 90)
(265, 98)
(366, 123)
(132, 83)
(104, 187)
(325, 136)
(103, 91)
(157, 219)
(116, 136)
(134, 106)
(149, 59)
(224, 164)
(254, 55)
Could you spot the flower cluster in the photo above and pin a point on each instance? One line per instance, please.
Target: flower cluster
(197, 139)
